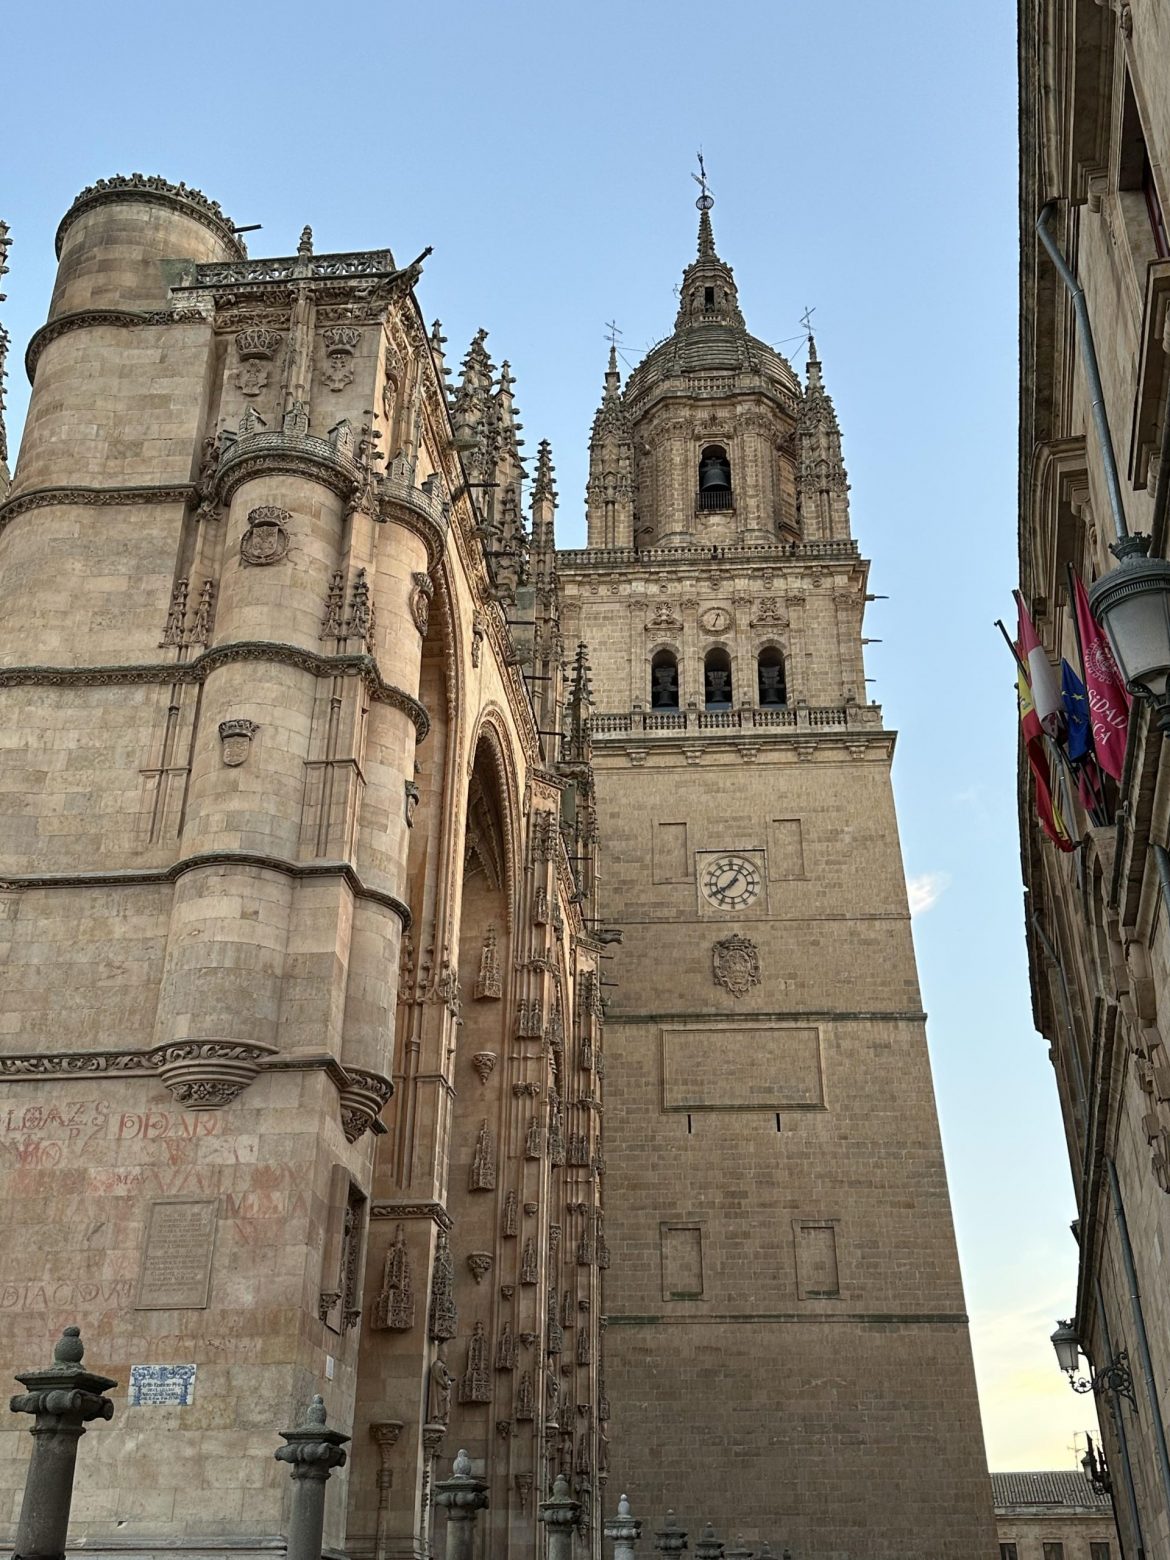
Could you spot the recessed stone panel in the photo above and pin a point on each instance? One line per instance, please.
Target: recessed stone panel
(720, 1066)
(176, 1257)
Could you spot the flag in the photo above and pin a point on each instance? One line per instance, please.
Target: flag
(1078, 728)
(1041, 677)
(1047, 806)
(1108, 699)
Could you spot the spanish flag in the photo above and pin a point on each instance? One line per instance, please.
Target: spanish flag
(1047, 806)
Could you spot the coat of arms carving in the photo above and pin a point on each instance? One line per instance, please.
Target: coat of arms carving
(736, 964)
(236, 737)
(266, 540)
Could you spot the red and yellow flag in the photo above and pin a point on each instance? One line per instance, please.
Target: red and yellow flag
(1047, 806)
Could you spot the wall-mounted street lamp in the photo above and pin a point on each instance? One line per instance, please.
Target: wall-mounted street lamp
(1114, 1377)
(1132, 605)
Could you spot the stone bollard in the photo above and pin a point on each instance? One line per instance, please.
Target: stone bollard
(740, 1551)
(560, 1514)
(61, 1398)
(461, 1496)
(709, 1547)
(670, 1539)
(313, 1452)
(625, 1530)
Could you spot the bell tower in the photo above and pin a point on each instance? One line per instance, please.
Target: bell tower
(786, 1340)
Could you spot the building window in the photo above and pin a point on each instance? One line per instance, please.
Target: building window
(1099, 1550)
(714, 478)
(770, 675)
(664, 681)
(708, 297)
(1054, 1551)
(717, 680)
(1008, 1552)
(1135, 177)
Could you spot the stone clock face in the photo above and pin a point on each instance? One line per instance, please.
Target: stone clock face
(716, 619)
(731, 882)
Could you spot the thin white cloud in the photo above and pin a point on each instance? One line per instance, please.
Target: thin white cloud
(925, 890)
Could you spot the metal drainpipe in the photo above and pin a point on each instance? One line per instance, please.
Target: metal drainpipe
(1092, 371)
(1135, 1300)
(1119, 1421)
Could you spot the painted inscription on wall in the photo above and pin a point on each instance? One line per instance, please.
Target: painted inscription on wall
(176, 1256)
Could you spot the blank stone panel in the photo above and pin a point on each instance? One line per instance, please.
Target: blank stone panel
(682, 1261)
(786, 855)
(671, 863)
(724, 1066)
(817, 1277)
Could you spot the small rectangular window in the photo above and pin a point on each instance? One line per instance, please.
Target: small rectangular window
(1099, 1550)
(709, 297)
(1054, 1550)
(1008, 1552)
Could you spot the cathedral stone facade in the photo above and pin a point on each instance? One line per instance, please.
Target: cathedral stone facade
(362, 856)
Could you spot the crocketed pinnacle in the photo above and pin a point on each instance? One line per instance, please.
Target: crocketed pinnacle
(5, 243)
(814, 365)
(542, 487)
(706, 237)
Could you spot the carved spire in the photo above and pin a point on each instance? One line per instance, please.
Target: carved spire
(577, 746)
(437, 342)
(544, 508)
(708, 294)
(706, 237)
(5, 480)
(822, 482)
(609, 493)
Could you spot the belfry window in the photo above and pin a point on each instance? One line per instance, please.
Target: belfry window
(714, 478)
(708, 297)
(770, 676)
(663, 681)
(717, 680)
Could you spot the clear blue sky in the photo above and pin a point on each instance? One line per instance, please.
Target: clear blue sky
(863, 162)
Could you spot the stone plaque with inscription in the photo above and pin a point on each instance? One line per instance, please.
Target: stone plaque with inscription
(176, 1256)
(157, 1386)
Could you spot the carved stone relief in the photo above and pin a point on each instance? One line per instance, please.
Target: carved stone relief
(267, 538)
(736, 964)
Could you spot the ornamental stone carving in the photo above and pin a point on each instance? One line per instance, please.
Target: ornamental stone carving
(489, 982)
(422, 589)
(479, 1264)
(362, 1101)
(236, 741)
(475, 1385)
(736, 964)
(484, 1063)
(267, 538)
(341, 342)
(256, 348)
(208, 1074)
(444, 1319)
(394, 1305)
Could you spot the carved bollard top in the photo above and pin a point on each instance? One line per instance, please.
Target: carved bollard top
(65, 1390)
(312, 1448)
(670, 1539)
(625, 1528)
(462, 1495)
(560, 1510)
(709, 1546)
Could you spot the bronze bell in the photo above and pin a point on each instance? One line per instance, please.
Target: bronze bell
(714, 473)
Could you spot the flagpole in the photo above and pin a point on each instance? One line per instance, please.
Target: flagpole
(1011, 644)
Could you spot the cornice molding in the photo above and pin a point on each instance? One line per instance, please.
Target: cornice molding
(93, 497)
(423, 1209)
(148, 189)
(129, 877)
(198, 670)
(85, 319)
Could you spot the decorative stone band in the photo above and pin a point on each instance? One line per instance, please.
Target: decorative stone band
(156, 191)
(364, 263)
(412, 1210)
(208, 1074)
(85, 319)
(202, 666)
(592, 558)
(130, 878)
(92, 497)
(304, 455)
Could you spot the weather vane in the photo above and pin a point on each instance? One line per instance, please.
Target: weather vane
(612, 332)
(806, 319)
(706, 200)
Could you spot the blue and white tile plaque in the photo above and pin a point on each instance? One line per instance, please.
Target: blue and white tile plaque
(152, 1386)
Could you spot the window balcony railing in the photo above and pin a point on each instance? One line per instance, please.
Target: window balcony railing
(716, 498)
(802, 717)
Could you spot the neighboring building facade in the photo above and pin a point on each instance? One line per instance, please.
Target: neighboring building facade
(784, 1304)
(305, 933)
(1052, 1515)
(1095, 137)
